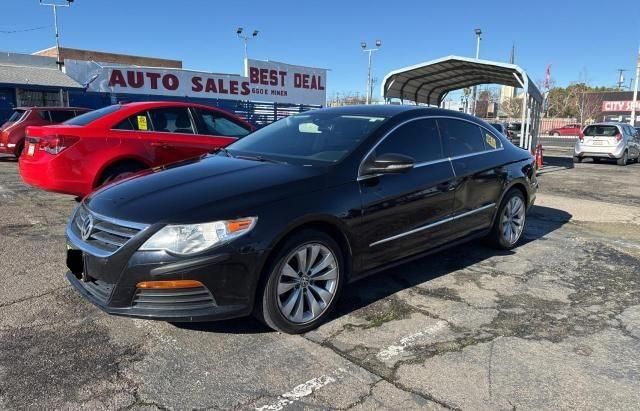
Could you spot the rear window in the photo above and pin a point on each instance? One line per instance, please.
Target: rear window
(59, 116)
(16, 116)
(601, 130)
(86, 118)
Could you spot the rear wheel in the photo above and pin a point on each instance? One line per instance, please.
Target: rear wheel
(304, 282)
(120, 171)
(622, 161)
(509, 222)
(555, 134)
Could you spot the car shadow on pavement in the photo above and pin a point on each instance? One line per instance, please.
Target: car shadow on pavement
(551, 164)
(542, 221)
(8, 159)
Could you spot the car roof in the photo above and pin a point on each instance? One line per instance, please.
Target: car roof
(52, 108)
(154, 104)
(391, 110)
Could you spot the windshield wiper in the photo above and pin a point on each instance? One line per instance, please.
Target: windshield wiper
(222, 150)
(261, 159)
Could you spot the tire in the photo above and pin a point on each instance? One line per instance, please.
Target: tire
(555, 134)
(500, 236)
(119, 171)
(289, 296)
(577, 159)
(622, 161)
(19, 149)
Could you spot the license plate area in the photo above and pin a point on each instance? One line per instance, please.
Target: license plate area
(75, 262)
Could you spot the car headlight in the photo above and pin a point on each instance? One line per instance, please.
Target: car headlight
(193, 238)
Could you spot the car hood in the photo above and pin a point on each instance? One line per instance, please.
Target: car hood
(204, 189)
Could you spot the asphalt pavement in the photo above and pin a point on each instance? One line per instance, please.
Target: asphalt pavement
(553, 324)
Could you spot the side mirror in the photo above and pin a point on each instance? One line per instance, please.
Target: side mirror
(389, 163)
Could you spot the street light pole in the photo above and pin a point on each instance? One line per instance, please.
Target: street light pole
(634, 103)
(363, 44)
(55, 6)
(478, 38)
(246, 39)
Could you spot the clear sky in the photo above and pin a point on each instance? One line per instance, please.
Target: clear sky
(581, 39)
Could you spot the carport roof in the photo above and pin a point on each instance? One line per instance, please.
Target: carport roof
(36, 76)
(428, 82)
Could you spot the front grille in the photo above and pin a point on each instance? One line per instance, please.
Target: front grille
(100, 290)
(176, 299)
(106, 235)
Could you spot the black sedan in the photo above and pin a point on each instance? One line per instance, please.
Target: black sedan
(286, 217)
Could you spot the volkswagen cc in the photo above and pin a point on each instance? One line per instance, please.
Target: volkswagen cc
(281, 221)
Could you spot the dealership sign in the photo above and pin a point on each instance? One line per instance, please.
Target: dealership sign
(266, 81)
(620, 106)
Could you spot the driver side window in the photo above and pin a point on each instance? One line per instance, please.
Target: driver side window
(418, 139)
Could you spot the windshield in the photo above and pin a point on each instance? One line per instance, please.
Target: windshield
(86, 118)
(608, 131)
(311, 138)
(16, 116)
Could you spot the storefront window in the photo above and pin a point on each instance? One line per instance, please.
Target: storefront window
(37, 98)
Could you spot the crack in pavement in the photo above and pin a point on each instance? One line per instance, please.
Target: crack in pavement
(31, 297)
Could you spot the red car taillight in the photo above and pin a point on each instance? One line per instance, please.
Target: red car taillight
(581, 136)
(618, 137)
(55, 144)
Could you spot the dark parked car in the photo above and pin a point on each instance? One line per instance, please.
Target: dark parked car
(282, 220)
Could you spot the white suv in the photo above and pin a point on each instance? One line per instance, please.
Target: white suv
(608, 140)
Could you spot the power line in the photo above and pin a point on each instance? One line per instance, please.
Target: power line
(23, 30)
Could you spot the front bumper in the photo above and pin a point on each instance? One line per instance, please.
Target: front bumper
(229, 276)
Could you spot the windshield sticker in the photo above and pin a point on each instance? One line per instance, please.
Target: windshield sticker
(491, 140)
(142, 123)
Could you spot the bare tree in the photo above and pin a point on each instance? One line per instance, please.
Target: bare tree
(586, 104)
(511, 107)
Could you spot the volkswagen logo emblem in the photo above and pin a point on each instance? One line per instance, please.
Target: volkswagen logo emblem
(87, 228)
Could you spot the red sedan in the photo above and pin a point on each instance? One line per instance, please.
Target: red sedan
(566, 130)
(116, 141)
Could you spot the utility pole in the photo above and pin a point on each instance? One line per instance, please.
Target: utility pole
(369, 82)
(621, 78)
(634, 103)
(55, 6)
(478, 38)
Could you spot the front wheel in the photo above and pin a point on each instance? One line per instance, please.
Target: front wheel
(509, 222)
(303, 284)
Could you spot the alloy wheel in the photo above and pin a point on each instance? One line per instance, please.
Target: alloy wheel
(512, 220)
(307, 282)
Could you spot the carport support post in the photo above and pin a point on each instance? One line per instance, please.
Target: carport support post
(634, 103)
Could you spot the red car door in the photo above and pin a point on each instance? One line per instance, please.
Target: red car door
(173, 137)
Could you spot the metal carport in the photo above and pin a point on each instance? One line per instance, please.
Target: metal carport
(429, 82)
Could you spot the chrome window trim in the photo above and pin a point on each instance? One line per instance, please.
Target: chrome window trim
(432, 225)
(422, 164)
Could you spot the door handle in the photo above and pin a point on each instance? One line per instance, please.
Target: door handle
(446, 186)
